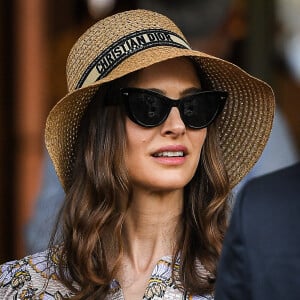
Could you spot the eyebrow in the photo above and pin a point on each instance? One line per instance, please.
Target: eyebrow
(186, 92)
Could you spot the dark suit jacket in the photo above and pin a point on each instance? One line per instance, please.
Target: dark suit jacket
(261, 254)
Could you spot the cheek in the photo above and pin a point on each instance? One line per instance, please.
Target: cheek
(137, 139)
(135, 136)
(198, 138)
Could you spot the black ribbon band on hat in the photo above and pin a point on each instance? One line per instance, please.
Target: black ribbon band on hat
(125, 47)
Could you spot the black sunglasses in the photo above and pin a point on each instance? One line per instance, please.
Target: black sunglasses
(149, 109)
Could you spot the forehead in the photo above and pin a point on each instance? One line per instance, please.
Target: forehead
(177, 70)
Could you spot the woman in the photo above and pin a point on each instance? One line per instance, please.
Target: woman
(147, 145)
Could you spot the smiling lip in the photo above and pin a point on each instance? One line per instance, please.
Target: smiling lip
(171, 155)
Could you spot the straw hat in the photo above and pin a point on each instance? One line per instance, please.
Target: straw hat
(132, 40)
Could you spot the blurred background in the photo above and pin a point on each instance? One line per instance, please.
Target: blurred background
(263, 37)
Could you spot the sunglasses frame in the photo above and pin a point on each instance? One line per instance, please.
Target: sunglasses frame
(221, 97)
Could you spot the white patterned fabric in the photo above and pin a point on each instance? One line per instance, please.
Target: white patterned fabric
(33, 277)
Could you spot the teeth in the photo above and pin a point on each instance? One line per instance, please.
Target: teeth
(169, 154)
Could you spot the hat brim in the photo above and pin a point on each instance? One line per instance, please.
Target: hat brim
(243, 126)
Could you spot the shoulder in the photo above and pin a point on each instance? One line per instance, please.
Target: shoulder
(286, 176)
(32, 277)
(282, 184)
(269, 204)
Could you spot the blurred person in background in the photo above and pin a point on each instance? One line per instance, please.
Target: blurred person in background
(261, 251)
(288, 49)
(212, 26)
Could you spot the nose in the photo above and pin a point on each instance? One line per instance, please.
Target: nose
(173, 125)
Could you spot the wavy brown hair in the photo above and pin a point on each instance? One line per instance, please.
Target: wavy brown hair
(97, 199)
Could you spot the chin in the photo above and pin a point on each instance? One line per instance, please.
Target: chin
(170, 186)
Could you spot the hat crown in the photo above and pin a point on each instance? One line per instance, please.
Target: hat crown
(108, 31)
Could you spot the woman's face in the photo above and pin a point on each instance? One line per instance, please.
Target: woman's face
(165, 157)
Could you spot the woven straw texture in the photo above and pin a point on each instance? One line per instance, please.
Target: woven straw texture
(244, 125)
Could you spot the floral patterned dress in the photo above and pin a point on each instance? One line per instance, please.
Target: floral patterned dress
(33, 278)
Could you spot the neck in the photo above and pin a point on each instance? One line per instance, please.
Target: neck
(152, 227)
